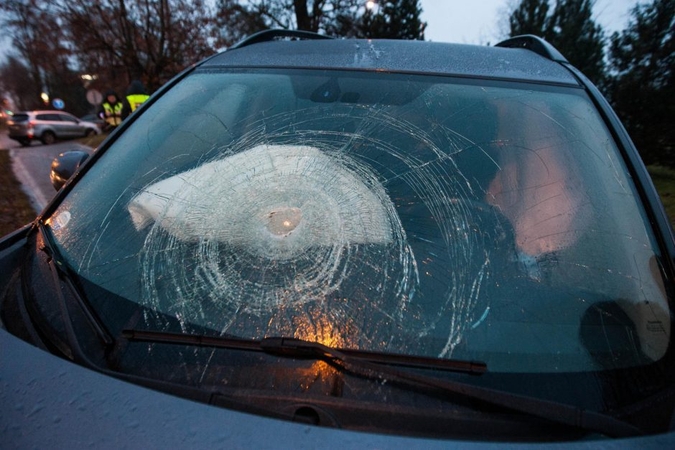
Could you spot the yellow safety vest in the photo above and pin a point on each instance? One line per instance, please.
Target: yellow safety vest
(113, 113)
(136, 100)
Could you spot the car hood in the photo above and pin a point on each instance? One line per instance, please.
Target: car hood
(48, 399)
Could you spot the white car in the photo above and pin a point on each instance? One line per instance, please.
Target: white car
(48, 126)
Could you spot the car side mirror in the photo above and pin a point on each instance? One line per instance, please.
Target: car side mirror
(65, 165)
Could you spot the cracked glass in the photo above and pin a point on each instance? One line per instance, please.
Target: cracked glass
(422, 215)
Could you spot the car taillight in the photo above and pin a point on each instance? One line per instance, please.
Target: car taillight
(31, 124)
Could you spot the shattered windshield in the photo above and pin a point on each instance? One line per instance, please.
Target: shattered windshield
(419, 215)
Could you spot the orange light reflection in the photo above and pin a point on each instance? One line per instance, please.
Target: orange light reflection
(316, 326)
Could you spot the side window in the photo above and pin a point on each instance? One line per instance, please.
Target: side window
(50, 117)
(66, 118)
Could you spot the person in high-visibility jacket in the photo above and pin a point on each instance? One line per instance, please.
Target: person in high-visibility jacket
(136, 95)
(113, 110)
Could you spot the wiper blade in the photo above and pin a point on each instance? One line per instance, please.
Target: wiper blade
(297, 348)
(379, 366)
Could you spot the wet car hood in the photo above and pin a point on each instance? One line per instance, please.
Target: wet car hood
(47, 399)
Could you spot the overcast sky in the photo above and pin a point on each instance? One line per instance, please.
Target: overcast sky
(486, 21)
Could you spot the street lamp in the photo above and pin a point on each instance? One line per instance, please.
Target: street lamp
(45, 98)
(87, 79)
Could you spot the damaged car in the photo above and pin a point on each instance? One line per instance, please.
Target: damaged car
(374, 243)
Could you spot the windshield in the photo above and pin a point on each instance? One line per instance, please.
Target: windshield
(418, 215)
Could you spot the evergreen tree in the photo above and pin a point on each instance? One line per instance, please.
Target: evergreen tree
(530, 17)
(642, 84)
(569, 27)
(572, 30)
(395, 19)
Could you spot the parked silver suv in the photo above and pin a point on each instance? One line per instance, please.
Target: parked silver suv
(48, 126)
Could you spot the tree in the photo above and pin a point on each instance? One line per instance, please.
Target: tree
(118, 40)
(572, 30)
(569, 27)
(236, 21)
(123, 40)
(38, 39)
(13, 75)
(395, 19)
(240, 18)
(530, 17)
(642, 83)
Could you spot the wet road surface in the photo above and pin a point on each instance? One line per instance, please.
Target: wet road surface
(31, 166)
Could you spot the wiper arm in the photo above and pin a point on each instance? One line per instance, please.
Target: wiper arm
(379, 366)
(560, 413)
(62, 273)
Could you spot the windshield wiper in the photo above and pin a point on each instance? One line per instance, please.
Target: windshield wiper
(374, 365)
(297, 348)
(61, 273)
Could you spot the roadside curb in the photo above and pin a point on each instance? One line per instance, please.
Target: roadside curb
(28, 185)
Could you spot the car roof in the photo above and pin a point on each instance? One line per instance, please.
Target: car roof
(474, 61)
(43, 111)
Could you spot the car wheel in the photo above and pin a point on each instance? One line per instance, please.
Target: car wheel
(48, 138)
(89, 132)
(24, 142)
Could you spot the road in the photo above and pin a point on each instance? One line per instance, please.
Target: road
(31, 166)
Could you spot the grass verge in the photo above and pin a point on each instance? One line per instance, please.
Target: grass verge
(15, 208)
(93, 141)
(664, 180)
